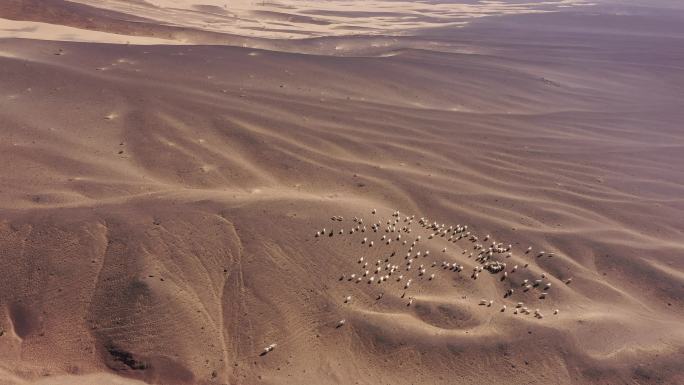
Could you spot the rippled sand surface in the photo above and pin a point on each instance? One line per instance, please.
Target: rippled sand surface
(168, 172)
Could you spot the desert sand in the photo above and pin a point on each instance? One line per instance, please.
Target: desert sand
(492, 192)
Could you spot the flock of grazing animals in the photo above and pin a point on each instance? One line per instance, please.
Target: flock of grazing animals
(403, 260)
(487, 255)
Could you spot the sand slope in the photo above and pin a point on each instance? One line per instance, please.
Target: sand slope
(159, 206)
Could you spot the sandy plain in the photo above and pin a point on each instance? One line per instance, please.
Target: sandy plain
(166, 180)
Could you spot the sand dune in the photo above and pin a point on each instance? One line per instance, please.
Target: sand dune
(162, 205)
(209, 20)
